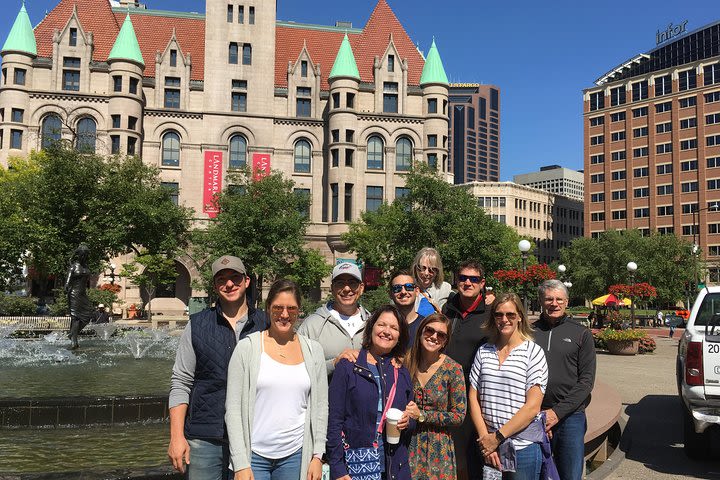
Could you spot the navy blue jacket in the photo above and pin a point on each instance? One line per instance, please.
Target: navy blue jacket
(353, 399)
(213, 341)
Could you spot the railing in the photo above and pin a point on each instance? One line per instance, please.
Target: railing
(37, 323)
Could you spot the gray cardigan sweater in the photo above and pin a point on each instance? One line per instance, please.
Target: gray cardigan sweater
(240, 401)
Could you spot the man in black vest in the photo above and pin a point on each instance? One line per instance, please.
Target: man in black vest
(198, 437)
(467, 311)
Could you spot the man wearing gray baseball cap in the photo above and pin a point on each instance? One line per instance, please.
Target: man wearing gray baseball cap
(338, 325)
(198, 436)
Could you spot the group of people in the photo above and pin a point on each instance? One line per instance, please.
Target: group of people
(437, 384)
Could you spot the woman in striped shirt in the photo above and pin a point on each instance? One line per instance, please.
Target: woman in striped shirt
(507, 384)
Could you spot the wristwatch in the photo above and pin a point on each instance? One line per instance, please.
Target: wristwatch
(421, 418)
(499, 436)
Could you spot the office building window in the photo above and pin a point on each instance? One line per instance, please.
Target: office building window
(241, 14)
(687, 102)
(247, 54)
(302, 156)
(86, 135)
(641, 172)
(597, 121)
(619, 214)
(617, 96)
(233, 53)
(16, 139)
(132, 122)
(375, 150)
(597, 216)
(115, 121)
(664, 168)
(170, 150)
(350, 100)
(619, 195)
(687, 187)
(618, 175)
(335, 200)
(597, 101)
(641, 192)
(238, 152)
(71, 74)
(688, 123)
(643, 212)
(349, 156)
(665, 189)
(432, 106)
(617, 136)
(595, 159)
(390, 97)
(172, 92)
(173, 189)
(687, 79)
(640, 132)
(663, 127)
(640, 91)
(19, 76)
(117, 83)
(711, 74)
(712, 119)
(688, 144)
(713, 162)
(403, 155)
(640, 112)
(303, 102)
(713, 184)
(251, 15)
(373, 198)
(617, 117)
(238, 96)
(665, 210)
(663, 85)
(51, 130)
(597, 197)
(597, 140)
(663, 148)
(114, 144)
(712, 97)
(689, 165)
(663, 107)
(619, 155)
(230, 14)
(17, 115)
(348, 201)
(131, 145)
(712, 140)
(597, 178)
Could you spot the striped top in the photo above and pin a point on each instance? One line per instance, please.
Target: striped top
(502, 388)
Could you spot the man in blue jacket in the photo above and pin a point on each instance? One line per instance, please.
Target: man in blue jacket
(198, 437)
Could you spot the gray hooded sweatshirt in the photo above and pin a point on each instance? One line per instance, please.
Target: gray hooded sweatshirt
(325, 329)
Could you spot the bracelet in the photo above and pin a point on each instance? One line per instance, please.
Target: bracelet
(499, 436)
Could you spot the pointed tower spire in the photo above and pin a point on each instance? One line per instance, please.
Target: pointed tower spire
(21, 37)
(126, 45)
(433, 71)
(345, 65)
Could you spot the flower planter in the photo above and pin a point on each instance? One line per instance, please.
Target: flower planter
(623, 347)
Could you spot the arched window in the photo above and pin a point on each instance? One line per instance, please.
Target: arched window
(171, 150)
(51, 130)
(238, 151)
(86, 135)
(375, 149)
(302, 156)
(403, 155)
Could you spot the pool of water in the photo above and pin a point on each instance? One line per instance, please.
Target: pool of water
(86, 449)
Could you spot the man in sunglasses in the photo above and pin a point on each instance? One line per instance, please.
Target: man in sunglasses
(198, 437)
(338, 325)
(403, 293)
(468, 312)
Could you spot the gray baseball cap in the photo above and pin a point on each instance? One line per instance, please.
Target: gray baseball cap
(230, 263)
(346, 268)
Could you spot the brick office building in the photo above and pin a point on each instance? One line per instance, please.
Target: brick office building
(342, 111)
(652, 144)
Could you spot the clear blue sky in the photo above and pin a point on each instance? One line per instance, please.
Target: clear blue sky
(540, 54)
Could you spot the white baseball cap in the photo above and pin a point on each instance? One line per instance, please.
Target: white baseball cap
(347, 268)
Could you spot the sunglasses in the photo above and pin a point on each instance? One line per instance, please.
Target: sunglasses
(510, 316)
(235, 278)
(472, 278)
(423, 268)
(353, 284)
(429, 331)
(398, 287)
(292, 311)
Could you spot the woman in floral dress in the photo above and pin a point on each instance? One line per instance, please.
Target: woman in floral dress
(440, 401)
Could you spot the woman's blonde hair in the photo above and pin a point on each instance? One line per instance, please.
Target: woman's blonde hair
(524, 327)
(434, 260)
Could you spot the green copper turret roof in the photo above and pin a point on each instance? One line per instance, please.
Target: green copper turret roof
(22, 37)
(126, 45)
(345, 65)
(433, 71)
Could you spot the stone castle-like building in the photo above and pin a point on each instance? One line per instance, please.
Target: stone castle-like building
(342, 111)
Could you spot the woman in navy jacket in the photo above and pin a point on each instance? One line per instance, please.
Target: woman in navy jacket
(355, 401)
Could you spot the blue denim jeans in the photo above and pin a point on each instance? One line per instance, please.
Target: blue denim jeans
(527, 464)
(287, 468)
(209, 461)
(568, 446)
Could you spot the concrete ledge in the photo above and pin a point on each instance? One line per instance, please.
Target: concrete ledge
(602, 414)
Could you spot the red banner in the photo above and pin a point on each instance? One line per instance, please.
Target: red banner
(213, 182)
(260, 165)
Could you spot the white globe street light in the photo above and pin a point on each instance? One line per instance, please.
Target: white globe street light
(561, 269)
(632, 268)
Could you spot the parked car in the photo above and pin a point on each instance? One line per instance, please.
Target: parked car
(698, 376)
(672, 320)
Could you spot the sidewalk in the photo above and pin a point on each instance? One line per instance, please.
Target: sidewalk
(653, 437)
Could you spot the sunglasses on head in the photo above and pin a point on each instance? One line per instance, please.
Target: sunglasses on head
(398, 287)
(429, 331)
(472, 278)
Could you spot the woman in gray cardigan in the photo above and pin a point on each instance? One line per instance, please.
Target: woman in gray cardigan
(277, 397)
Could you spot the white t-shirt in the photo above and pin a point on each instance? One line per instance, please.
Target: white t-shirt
(351, 323)
(281, 401)
(502, 389)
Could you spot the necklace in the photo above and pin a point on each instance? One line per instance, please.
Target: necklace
(280, 349)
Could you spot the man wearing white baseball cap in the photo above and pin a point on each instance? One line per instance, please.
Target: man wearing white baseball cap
(198, 436)
(338, 325)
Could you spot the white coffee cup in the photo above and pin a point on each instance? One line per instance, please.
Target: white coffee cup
(392, 432)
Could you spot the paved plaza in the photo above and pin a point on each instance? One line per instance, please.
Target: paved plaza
(653, 440)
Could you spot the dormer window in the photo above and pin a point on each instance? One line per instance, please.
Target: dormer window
(391, 63)
(303, 68)
(73, 37)
(173, 58)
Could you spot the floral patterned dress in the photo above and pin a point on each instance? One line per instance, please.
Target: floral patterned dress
(443, 399)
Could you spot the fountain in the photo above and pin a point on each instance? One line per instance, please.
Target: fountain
(110, 395)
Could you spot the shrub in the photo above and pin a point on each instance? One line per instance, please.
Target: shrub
(647, 345)
(15, 305)
(622, 335)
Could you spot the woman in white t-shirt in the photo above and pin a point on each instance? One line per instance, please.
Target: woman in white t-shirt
(507, 385)
(276, 406)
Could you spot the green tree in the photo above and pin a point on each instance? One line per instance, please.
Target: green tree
(432, 214)
(150, 271)
(264, 223)
(60, 198)
(664, 261)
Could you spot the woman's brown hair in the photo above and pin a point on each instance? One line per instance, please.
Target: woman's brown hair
(412, 361)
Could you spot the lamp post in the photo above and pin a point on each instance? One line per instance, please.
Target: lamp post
(524, 247)
(632, 267)
(112, 276)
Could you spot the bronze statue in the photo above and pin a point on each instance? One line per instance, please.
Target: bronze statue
(81, 309)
